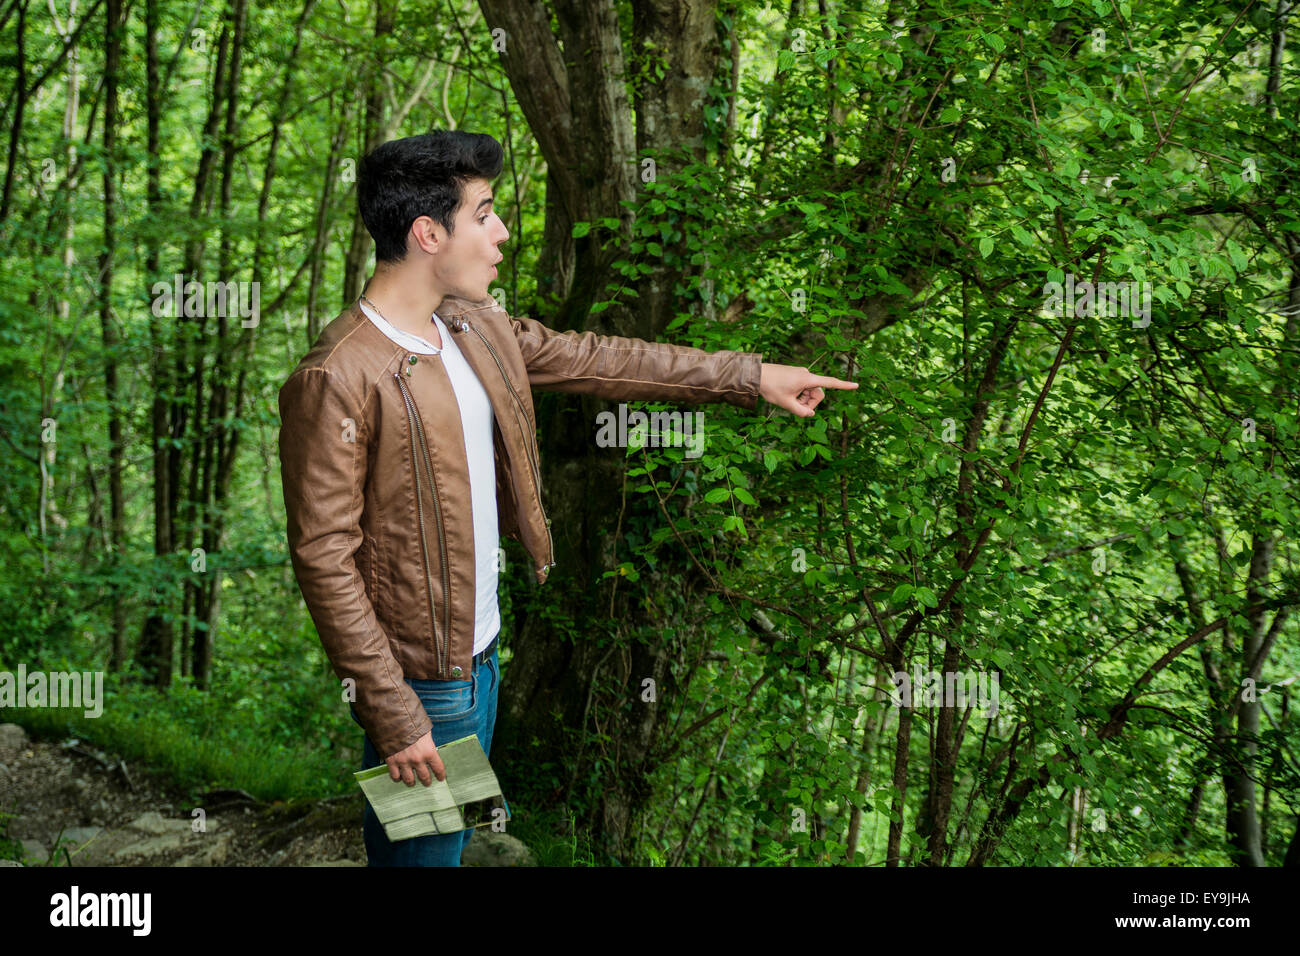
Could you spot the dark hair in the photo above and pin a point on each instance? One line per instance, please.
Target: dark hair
(424, 175)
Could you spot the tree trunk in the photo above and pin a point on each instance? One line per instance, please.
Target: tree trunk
(157, 638)
(902, 749)
(933, 823)
(218, 435)
(354, 266)
(117, 517)
(20, 108)
(190, 359)
(321, 229)
(49, 509)
(573, 89)
(1242, 820)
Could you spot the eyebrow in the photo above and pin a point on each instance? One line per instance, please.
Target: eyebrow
(482, 203)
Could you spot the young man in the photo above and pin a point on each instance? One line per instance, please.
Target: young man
(408, 444)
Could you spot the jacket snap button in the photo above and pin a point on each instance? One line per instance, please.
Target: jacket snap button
(414, 359)
(455, 671)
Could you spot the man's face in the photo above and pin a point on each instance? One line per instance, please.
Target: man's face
(465, 264)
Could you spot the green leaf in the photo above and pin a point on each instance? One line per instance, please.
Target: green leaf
(1237, 255)
(986, 246)
(717, 494)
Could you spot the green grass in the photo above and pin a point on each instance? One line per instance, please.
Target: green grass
(276, 747)
(553, 837)
(9, 849)
(138, 727)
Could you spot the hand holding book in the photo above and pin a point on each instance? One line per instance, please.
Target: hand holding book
(417, 760)
(467, 795)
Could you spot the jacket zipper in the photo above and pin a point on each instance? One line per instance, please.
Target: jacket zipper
(417, 431)
(529, 440)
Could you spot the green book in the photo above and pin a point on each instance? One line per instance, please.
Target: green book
(469, 797)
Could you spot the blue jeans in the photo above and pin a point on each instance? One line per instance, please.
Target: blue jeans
(457, 708)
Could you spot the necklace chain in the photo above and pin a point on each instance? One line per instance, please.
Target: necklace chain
(371, 302)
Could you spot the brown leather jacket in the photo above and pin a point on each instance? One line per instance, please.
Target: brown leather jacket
(376, 481)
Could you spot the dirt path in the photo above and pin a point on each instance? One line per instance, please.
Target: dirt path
(90, 808)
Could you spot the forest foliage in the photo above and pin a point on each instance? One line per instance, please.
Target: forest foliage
(1057, 244)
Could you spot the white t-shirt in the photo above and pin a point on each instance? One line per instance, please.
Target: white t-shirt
(476, 420)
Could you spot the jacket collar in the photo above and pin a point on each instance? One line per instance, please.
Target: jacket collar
(450, 306)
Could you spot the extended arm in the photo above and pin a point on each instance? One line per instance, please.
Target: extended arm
(615, 367)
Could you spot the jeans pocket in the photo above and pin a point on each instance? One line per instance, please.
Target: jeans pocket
(445, 699)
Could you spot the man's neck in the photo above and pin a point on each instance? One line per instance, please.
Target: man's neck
(405, 304)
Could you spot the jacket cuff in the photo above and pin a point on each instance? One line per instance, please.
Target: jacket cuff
(751, 375)
(393, 736)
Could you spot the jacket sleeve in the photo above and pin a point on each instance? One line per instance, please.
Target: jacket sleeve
(324, 478)
(613, 367)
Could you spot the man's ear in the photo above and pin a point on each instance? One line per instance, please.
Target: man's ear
(422, 235)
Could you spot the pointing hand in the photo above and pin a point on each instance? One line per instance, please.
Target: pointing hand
(796, 389)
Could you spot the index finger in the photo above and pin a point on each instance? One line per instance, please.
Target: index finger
(832, 382)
